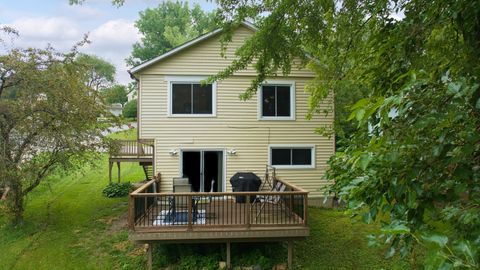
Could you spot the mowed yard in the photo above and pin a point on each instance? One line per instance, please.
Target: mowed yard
(69, 224)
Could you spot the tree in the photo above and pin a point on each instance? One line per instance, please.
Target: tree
(167, 26)
(115, 94)
(412, 159)
(130, 109)
(100, 73)
(117, 3)
(49, 124)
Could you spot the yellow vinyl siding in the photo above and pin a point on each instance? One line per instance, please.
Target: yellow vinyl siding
(235, 125)
(204, 58)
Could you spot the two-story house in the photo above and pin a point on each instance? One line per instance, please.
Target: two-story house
(207, 133)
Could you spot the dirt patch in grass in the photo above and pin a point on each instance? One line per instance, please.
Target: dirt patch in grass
(118, 223)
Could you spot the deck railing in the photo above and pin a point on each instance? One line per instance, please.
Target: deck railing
(132, 148)
(154, 211)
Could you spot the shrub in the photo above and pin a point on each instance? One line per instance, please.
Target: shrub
(114, 190)
(130, 109)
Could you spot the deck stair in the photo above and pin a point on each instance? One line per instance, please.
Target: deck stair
(147, 169)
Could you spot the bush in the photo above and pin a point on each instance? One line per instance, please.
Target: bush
(130, 109)
(114, 190)
(207, 256)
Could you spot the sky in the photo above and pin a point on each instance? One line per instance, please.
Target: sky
(110, 29)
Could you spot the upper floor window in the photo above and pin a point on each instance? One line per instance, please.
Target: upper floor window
(191, 99)
(277, 101)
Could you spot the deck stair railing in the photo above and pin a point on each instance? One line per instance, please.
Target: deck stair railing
(150, 210)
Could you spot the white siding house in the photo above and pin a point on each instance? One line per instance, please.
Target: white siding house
(206, 133)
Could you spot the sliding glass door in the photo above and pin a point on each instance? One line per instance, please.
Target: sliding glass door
(204, 169)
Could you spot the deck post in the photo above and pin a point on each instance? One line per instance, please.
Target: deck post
(131, 212)
(305, 208)
(229, 253)
(149, 257)
(118, 166)
(248, 212)
(290, 254)
(110, 166)
(189, 213)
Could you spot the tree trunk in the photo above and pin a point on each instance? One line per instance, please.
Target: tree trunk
(15, 202)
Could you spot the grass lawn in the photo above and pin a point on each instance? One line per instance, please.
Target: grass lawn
(71, 225)
(68, 225)
(130, 134)
(336, 242)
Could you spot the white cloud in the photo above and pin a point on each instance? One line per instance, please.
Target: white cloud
(111, 40)
(114, 33)
(48, 29)
(83, 12)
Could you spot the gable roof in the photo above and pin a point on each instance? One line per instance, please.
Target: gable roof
(183, 47)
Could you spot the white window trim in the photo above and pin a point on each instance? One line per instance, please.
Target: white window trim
(189, 79)
(313, 157)
(292, 100)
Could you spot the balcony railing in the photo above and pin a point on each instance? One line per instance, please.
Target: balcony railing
(132, 148)
(150, 210)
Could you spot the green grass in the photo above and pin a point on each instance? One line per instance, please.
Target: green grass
(71, 225)
(130, 134)
(67, 225)
(334, 243)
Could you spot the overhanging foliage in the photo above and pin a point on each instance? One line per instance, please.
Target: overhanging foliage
(411, 158)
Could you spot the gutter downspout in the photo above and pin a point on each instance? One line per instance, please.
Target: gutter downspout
(138, 105)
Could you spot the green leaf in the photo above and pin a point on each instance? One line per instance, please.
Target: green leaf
(453, 88)
(390, 252)
(372, 240)
(364, 160)
(464, 247)
(359, 114)
(436, 239)
(367, 218)
(396, 229)
(437, 150)
(445, 266)
(478, 104)
(360, 104)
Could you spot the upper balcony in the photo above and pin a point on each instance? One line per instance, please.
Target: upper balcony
(132, 150)
(141, 151)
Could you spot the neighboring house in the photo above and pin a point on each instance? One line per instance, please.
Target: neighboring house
(115, 109)
(207, 132)
(132, 95)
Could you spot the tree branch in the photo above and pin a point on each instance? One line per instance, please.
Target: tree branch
(41, 173)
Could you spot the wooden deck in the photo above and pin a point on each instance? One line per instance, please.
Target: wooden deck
(217, 217)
